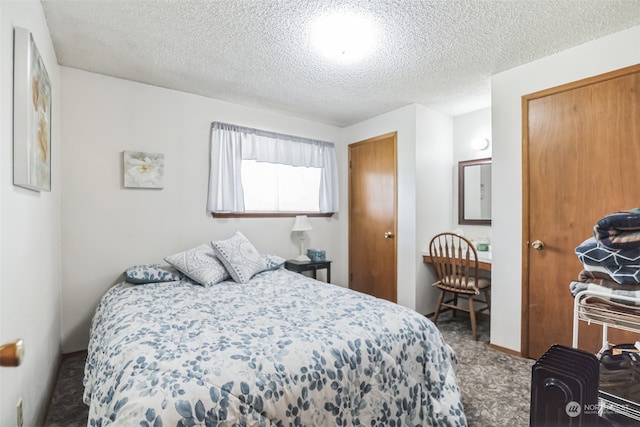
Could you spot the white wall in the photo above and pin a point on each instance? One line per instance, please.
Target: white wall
(423, 135)
(606, 54)
(106, 228)
(433, 159)
(30, 237)
(466, 128)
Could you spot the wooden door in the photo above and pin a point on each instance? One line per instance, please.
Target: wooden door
(372, 217)
(581, 152)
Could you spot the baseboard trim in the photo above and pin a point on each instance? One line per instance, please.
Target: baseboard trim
(505, 350)
(493, 346)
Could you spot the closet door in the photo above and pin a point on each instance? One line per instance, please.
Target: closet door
(373, 216)
(581, 157)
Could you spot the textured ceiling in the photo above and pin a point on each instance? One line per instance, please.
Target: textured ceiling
(258, 53)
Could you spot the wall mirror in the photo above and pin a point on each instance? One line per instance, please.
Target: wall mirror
(474, 192)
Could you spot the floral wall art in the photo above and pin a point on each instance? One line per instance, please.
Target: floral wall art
(143, 170)
(31, 115)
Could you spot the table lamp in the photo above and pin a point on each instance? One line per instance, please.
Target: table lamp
(301, 225)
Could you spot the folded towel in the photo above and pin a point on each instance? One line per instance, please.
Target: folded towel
(604, 279)
(619, 230)
(577, 287)
(625, 274)
(595, 269)
(591, 252)
(611, 311)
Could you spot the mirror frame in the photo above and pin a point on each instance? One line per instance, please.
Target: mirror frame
(461, 166)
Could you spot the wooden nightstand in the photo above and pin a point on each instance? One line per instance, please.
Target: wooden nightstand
(300, 266)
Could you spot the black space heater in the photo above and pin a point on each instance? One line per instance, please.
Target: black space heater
(564, 388)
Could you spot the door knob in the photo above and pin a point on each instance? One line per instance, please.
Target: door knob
(537, 245)
(11, 353)
(388, 235)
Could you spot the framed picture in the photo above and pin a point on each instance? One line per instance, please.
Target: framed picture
(143, 170)
(31, 115)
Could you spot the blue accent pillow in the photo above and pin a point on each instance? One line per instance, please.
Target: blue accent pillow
(151, 273)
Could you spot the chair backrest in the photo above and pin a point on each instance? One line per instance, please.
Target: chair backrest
(455, 261)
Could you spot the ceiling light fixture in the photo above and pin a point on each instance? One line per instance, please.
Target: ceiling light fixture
(343, 37)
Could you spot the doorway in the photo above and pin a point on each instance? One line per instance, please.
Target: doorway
(372, 216)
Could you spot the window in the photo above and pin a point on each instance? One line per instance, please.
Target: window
(272, 187)
(259, 171)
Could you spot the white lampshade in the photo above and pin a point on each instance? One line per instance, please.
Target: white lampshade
(301, 224)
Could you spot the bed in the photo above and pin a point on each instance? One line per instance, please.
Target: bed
(280, 349)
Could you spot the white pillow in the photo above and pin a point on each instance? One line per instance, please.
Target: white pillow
(273, 262)
(200, 264)
(240, 257)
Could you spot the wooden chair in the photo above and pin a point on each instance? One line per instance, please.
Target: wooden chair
(455, 261)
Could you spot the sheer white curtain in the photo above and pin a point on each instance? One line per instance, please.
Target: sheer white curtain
(230, 144)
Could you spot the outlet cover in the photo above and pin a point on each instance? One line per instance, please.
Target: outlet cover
(19, 419)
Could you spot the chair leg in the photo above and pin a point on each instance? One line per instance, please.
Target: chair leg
(472, 313)
(440, 300)
(455, 302)
(487, 297)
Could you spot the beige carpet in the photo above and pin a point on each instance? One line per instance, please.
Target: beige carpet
(496, 387)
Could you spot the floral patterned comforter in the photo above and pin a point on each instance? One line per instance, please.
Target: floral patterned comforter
(281, 350)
